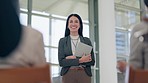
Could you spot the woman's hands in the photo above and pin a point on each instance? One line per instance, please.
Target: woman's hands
(85, 58)
(121, 65)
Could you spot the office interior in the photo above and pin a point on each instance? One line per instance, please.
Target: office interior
(106, 22)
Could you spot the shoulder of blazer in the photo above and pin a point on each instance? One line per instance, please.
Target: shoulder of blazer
(85, 40)
(64, 39)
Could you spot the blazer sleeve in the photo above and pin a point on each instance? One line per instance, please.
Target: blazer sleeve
(62, 55)
(136, 50)
(92, 63)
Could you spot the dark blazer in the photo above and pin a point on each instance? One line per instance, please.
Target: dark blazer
(64, 50)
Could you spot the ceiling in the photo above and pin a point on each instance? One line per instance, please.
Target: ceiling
(66, 7)
(128, 3)
(59, 7)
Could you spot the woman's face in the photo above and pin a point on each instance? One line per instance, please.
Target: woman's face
(73, 24)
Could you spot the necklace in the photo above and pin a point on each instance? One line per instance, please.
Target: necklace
(75, 42)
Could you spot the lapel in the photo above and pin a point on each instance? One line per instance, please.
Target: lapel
(69, 45)
(82, 39)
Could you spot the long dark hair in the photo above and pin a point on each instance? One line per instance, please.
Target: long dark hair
(146, 2)
(80, 31)
(10, 28)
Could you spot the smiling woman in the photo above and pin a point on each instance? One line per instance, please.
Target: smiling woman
(74, 69)
(73, 25)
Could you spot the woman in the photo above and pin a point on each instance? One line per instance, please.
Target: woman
(20, 46)
(74, 69)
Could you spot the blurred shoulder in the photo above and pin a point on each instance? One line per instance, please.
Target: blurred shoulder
(140, 29)
(28, 30)
(140, 26)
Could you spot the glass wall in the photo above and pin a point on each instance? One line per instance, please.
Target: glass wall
(127, 14)
(49, 17)
(52, 27)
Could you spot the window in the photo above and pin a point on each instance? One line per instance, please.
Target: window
(42, 25)
(23, 18)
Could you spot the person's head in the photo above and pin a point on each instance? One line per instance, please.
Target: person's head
(10, 28)
(74, 25)
(146, 2)
(16, 6)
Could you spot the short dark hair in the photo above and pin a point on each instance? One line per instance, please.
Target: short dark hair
(67, 31)
(146, 2)
(10, 28)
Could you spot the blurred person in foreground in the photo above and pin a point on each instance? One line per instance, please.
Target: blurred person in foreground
(139, 44)
(138, 58)
(20, 46)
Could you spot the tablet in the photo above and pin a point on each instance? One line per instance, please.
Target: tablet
(82, 49)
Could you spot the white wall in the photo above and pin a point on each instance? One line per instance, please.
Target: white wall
(107, 52)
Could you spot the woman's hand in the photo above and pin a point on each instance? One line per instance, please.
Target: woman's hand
(71, 57)
(121, 65)
(85, 58)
